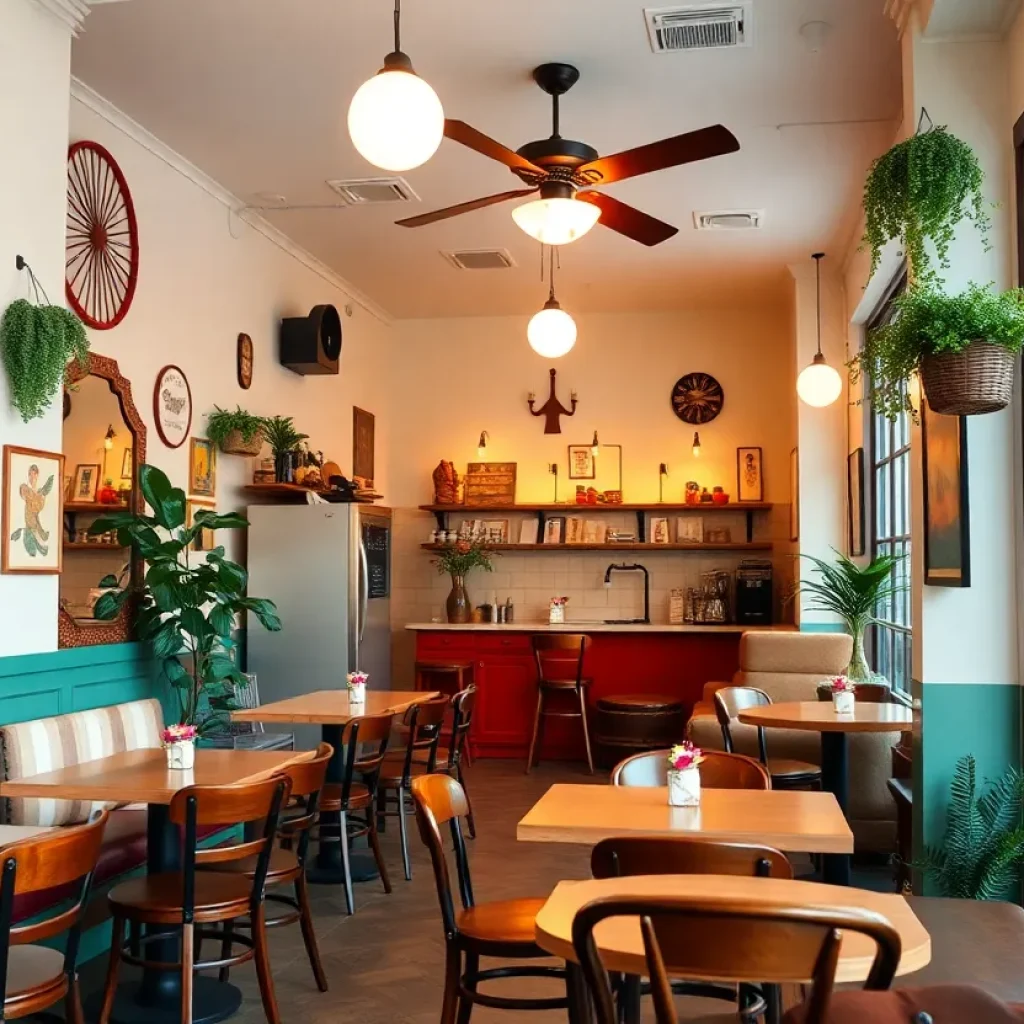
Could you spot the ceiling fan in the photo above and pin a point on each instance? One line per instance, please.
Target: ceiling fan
(564, 172)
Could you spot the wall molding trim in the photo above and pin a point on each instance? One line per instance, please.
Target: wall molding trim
(70, 13)
(236, 211)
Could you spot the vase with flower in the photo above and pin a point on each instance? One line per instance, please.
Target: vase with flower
(457, 560)
(180, 744)
(357, 687)
(843, 695)
(684, 762)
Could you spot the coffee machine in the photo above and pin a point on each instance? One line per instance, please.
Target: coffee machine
(754, 593)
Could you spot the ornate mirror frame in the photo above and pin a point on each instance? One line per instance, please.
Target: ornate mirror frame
(119, 630)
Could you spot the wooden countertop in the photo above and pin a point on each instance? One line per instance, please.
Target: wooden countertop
(596, 626)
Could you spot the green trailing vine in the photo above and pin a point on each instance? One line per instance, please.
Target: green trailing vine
(37, 342)
(220, 423)
(919, 191)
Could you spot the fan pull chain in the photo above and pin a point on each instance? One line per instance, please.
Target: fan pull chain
(37, 288)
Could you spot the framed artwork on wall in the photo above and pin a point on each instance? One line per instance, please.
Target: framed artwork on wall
(855, 497)
(172, 406)
(749, 474)
(554, 529)
(202, 467)
(947, 519)
(33, 511)
(363, 425)
(659, 531)
(581, 462)
(87, 480)
(794, 494)
(126, 464)
(205, 540)
(244, 361)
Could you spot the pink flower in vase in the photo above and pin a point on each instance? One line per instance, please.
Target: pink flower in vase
(685, 755)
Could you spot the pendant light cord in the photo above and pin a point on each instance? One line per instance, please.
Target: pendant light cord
(818, 256)
(398, 26)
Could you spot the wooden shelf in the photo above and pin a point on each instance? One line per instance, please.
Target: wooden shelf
(630, 546)
(74, 545)
(93, 506)
(296, 492)
(734, 506)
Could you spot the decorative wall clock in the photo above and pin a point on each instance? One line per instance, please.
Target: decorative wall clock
(101, 245)
(172, 406)
(697, 398)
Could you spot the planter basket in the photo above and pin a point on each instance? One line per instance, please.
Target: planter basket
(234, 445)
(969, 383)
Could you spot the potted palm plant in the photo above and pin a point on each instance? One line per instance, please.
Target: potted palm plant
(283, 438)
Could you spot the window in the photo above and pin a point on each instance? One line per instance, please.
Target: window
(891, 636)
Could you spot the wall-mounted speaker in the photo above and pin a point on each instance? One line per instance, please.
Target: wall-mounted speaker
(312, 344)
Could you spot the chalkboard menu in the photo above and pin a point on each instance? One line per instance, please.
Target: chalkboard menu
(490, 483)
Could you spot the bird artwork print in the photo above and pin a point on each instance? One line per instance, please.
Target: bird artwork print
(32, 534)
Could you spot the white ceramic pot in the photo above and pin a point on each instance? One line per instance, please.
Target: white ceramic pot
(843, 701)
(556, 614)
(357, 693)
(684, 787)
(181, 756)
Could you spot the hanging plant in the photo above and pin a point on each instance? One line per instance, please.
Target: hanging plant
(237, 433)
(919, 191)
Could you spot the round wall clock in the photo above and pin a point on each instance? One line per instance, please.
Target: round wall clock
(697, 398)
(101, 246)
(172, 406)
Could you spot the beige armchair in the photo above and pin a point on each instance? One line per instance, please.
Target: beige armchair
(789, 666)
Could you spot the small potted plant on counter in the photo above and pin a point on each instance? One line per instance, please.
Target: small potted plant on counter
(283, 439)
(684, 761)
(237, 433)
(843, 695)
(456, 560)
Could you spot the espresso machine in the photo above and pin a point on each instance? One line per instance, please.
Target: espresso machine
(754, 593)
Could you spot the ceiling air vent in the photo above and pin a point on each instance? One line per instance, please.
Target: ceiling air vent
(704, 27)
(728, 220)
(480, 259)
(361, 191)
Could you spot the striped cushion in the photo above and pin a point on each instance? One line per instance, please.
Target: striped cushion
(48, 744)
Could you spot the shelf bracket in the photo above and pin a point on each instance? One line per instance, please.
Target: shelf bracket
(750, 526)
(641, 526)
(442, 519)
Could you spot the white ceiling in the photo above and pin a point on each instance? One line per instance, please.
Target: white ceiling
(255, 92)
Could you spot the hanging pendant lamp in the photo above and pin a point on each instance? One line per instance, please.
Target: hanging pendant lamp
(819, 384)
(395, 119)
(551, 332)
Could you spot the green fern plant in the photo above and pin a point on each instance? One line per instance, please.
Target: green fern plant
(983, 847)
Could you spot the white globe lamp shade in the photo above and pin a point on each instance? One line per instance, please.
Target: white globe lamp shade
(556, 221)
(396, 120)
(551, 332)
(819, 384)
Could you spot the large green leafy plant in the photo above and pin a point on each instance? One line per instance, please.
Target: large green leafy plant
(186, 604)
(983, 847)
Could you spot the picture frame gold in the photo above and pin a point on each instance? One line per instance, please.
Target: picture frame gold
(32, 513)
(202, 467)
(205, 540)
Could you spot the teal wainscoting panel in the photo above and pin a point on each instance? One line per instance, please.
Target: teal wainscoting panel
(822, 627)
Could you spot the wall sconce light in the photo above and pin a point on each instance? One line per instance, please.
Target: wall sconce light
(553, 470)
(108, 439)
(662, 473)
(481, 445)
(595, 445)
(696, 445)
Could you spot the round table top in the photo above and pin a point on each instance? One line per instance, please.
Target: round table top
(621, 944)
(820, 716)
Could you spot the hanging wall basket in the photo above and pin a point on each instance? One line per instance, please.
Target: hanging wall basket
(977, 380)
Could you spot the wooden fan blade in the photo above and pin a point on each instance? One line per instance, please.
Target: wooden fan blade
(656, 156)
(627, 220)
(459, 131)
(454, 211)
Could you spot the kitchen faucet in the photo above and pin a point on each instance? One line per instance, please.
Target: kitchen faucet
(635, 567)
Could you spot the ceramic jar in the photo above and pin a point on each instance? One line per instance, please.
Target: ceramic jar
(684, 787)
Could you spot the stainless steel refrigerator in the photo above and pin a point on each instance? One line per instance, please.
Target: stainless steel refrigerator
(328, 570)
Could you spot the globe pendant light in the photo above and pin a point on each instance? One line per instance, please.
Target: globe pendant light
(551, 332)
(395, 119)
(819, 384)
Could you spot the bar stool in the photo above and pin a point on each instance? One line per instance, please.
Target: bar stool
(450, 677)
(559, 658)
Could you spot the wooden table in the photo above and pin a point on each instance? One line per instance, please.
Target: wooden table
(142, 776)
(332, 711)
(790, 820)
(820, 717)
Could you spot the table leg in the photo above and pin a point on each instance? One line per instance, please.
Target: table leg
(835, 779)
(156, 997)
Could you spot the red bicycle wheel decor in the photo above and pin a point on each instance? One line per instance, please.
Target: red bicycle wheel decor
(102, 242)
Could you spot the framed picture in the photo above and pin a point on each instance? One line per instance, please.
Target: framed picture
(126, 464)
(660, 531)
(33, 511)
(86, 482)
(244, 361)
(594, 532)
(749, 475)
(205, 540)
(573, 530)
(528, 530)
(362, 446)
(69, 483)
(494, 531)
(794, 494)
(202, 467)
(554, 530)
(690, 530)
(172, 406)
(855, 495)
(581, 462)
(947, 523)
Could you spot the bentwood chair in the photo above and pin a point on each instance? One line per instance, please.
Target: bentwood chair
(916, 1005)
(718, 771)
(189, 899)
(739, 940)
(785, 773)
(288, 863)
(33, 978)
(503, 929)
(559, 658)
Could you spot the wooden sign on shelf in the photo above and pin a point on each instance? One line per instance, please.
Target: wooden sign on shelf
(490, 483)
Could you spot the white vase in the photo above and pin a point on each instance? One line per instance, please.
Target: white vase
(843, 701)
(357, 693)
(684, 787)
(556, 614)
(181, 756)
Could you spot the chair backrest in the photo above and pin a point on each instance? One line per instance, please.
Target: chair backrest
(718, 771)
(307, 779)
(674, 855)
(424, 721)
(740, 940)
(463, 703)
(559, 656)
(372, 731)
(439, 799)
(247, 697)
(730, 701)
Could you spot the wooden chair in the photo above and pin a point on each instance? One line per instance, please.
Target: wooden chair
(287, 863)
(503, 929)
(785, 773)
(34, 978)
(349, 796)
(559, 658)
(450, 678)
(718, 771)
(739, 940)
(189, 899)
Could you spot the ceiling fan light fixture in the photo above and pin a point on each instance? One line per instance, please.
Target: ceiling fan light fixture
(556, 221)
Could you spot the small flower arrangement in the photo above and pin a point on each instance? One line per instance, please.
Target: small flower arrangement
(178, 734)
(357, 686)
(556, 610)
(684, 755)
(180, 745)
(683, 777)
(560, 601)
(840, 684)
(843, 694)
(458, 558)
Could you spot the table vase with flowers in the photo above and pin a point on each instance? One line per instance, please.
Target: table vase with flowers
(684, 761)
(843, 695)
(180, 744)
(357, 687)
(456, 560)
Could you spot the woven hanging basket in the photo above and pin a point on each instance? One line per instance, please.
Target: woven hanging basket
(977, 380)
(234, 445)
